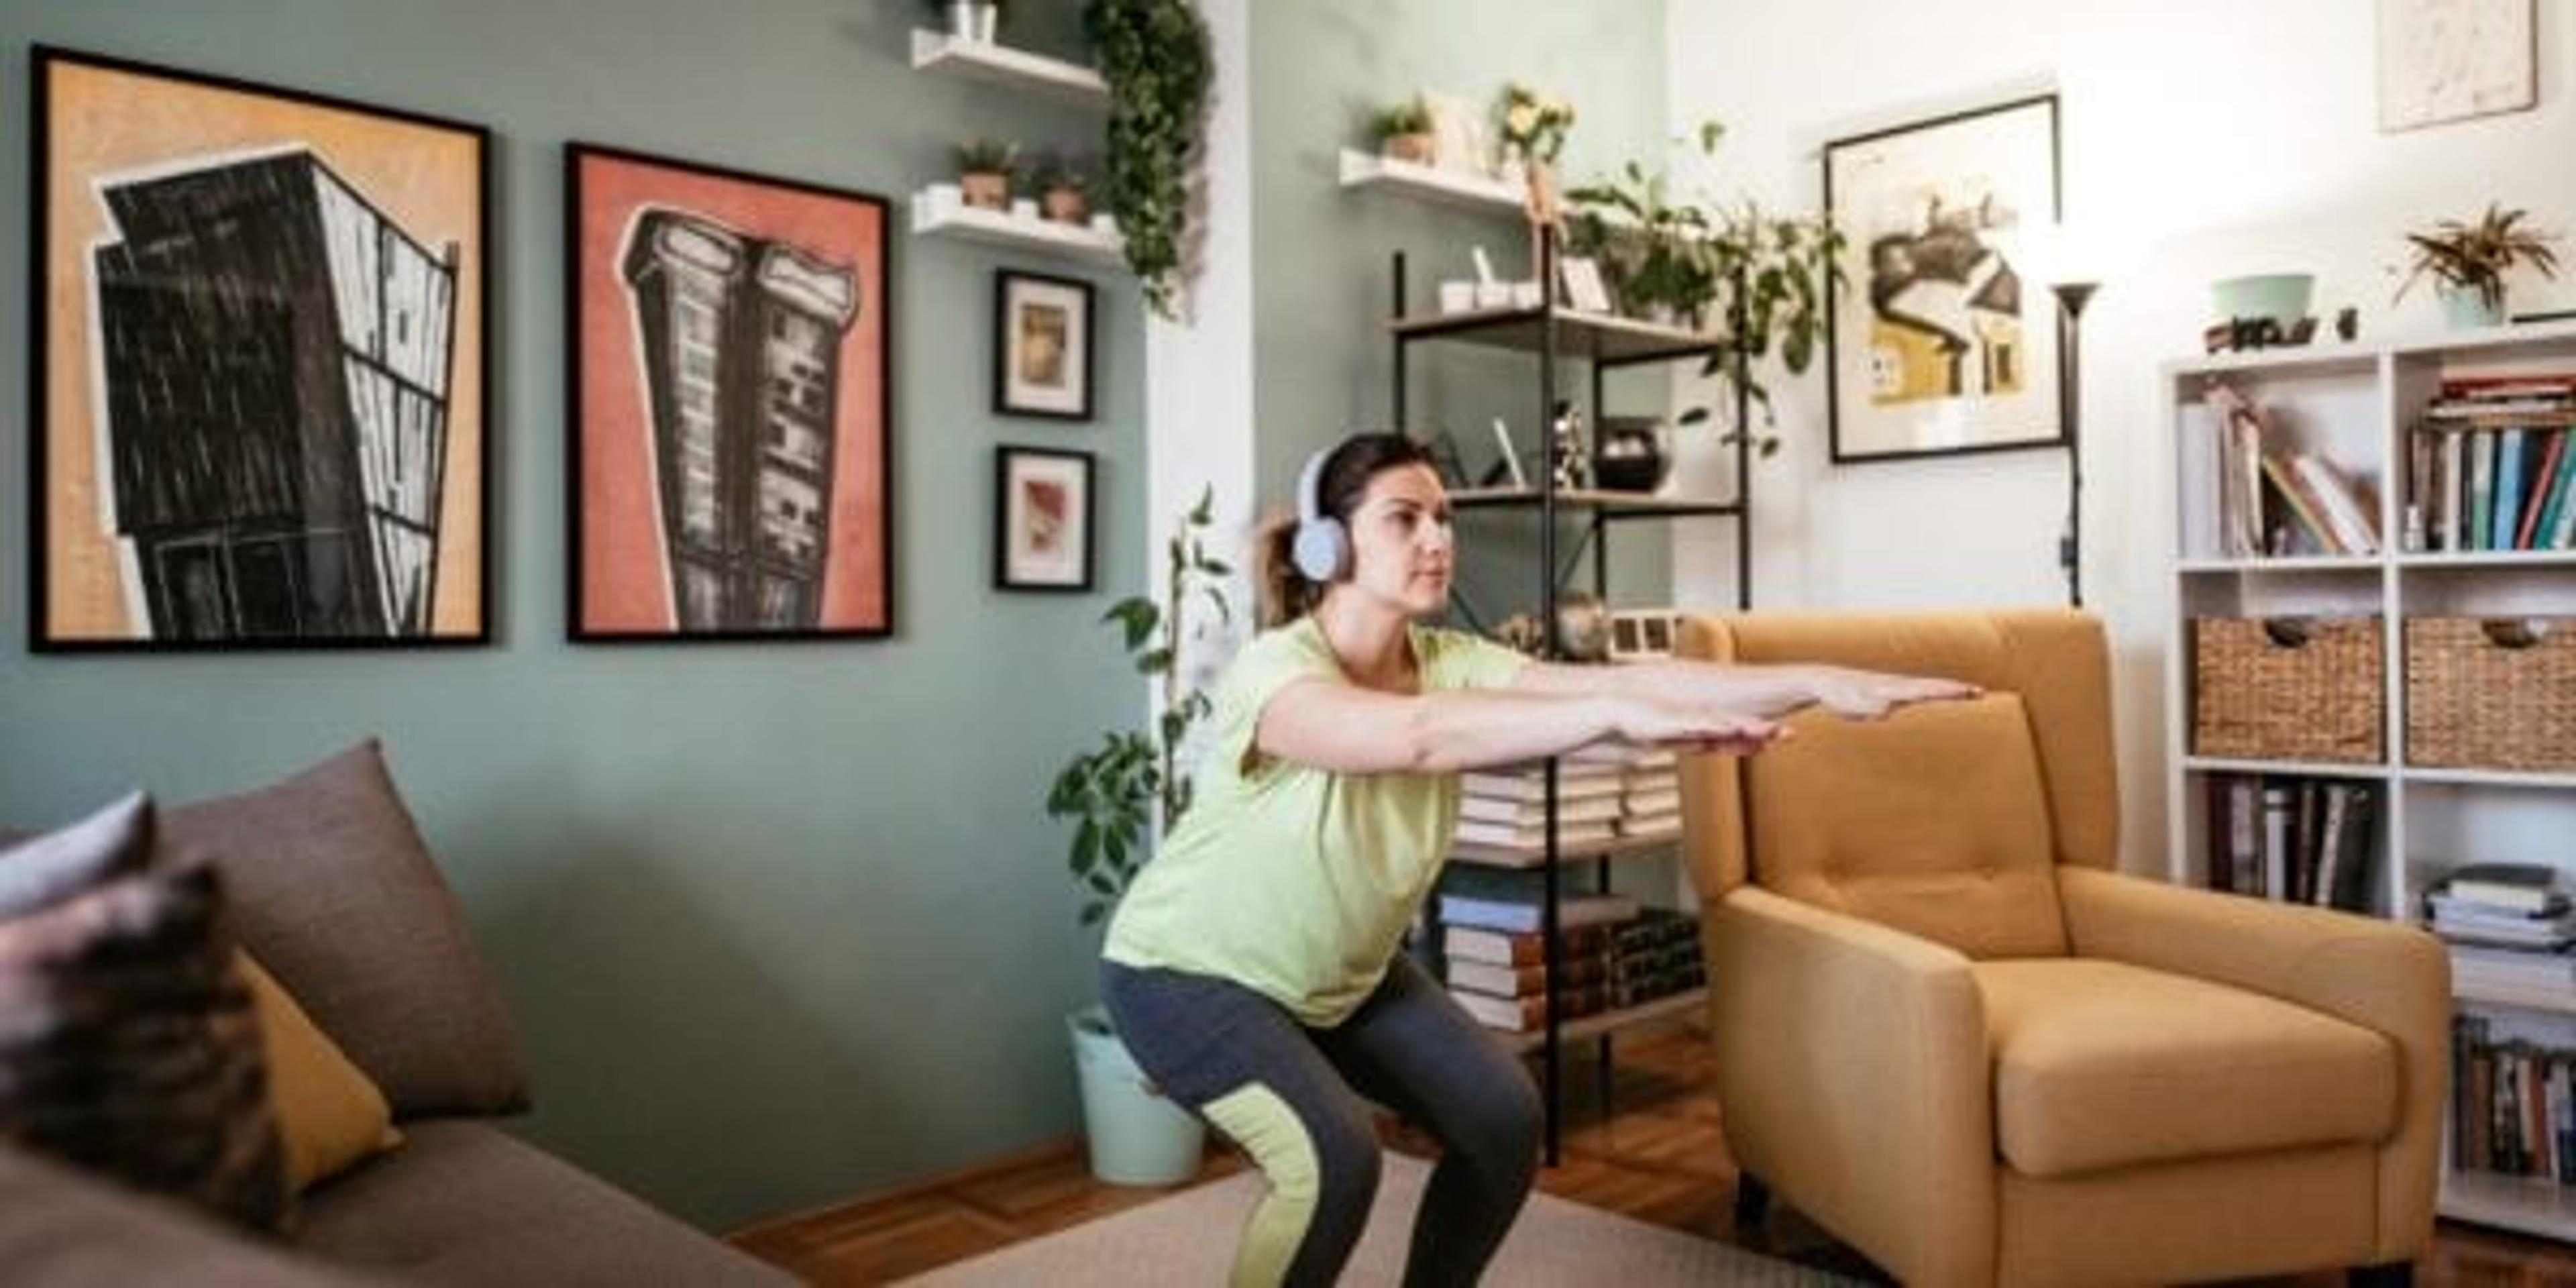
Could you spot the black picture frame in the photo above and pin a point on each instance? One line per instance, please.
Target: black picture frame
(1044, 535)
(1045, 350)
(340, 521)
(1945, 348)
(788, 284)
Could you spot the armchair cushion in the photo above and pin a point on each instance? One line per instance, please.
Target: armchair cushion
(2100, 1064)
(1961, 857)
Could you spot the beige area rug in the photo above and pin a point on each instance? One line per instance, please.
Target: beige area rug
(1189, 1239)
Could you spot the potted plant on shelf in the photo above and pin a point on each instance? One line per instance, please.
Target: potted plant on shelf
(984, 172)
(1064, 190)
(969, 19)
(2468, 261)
(1678, 257)
(1404, 133)
(1154, 56)
(1118, 795)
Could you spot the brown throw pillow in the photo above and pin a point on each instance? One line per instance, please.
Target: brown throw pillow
(334, 891)
(127, 1040)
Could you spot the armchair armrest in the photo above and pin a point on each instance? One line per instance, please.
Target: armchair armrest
(60, 1225)
(2392, 979)
(1852, 1065)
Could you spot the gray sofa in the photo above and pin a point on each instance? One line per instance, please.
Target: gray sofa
(329, 886)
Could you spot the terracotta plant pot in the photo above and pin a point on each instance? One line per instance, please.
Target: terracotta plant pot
(1066, 205)
(1419, 149)
(989, 190)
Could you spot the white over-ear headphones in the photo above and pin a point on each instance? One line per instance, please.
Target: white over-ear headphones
(1320, 548)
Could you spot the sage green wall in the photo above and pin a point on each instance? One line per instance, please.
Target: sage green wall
(779, 924)
(1322, 278)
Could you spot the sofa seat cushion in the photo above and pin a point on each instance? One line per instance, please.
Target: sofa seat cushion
(2101, 1064)
(466, 1203)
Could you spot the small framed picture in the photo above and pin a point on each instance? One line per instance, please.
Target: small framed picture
(1041, 345)
(1584, 290)
(1041, 519)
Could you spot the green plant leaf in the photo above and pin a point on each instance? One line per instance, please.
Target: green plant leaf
(1154, 662)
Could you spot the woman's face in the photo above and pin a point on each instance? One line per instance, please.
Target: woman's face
(1402, 551)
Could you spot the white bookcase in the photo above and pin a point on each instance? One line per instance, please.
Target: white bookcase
(2356, 404)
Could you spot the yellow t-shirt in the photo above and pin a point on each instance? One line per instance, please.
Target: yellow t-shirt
(1298, 882)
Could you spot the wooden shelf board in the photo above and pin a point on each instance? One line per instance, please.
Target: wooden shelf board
(2306, 768)
(1601, 337)
(934, 51)
(1365, 170)
(1512, 856)
(2523, 1203)
(2281, 563)
(1593, 1026)
(936, 217)
(1604, 500)
(2541, 780)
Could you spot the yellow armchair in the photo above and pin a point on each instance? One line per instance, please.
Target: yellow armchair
(1949, 1032)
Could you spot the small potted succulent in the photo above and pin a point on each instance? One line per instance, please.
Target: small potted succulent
(1404, 133)
(1064, 190)
(2467, 260)
(984, 172)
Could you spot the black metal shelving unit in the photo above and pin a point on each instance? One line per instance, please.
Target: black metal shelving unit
(1553, 333)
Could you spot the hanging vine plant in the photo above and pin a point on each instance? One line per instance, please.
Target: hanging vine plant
(1154, 55)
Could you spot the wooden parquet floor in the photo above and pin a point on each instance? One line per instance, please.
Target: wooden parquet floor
(1659, 1155)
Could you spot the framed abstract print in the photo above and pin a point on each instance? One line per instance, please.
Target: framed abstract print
(260, 366)
(1042, 333)
(1042, 519)
(1940, 344)
(729, 400)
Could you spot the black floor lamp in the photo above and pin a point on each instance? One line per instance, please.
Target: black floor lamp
(2071, 298)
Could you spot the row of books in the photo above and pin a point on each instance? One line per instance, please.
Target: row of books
(2301, 840)
(2492, 484)
(1598, 798)
(1611, 952)
(2513, 1104)
(2274, 499)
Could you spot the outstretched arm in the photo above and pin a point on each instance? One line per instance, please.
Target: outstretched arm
(1353, 730)
(1769, 692)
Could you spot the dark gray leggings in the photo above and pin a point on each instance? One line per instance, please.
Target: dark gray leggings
(1292, 1097)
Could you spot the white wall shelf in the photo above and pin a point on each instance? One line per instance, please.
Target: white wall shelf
(984, 60)
(1430, 183)
(937, 212)
(2357, 405)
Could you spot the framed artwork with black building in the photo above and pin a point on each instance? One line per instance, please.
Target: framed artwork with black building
(260, 366)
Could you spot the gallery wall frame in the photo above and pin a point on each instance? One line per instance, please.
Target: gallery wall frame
(1044, 507)
(1940, 345)
(729, 403)
(259, 369)
(1044, 355)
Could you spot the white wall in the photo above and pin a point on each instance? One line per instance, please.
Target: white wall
(2199, 139)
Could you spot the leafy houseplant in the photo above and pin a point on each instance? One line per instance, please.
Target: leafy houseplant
(2468, 256)
(1765, 277)
(1154, 55)
(1064, 191)
(1132, 782)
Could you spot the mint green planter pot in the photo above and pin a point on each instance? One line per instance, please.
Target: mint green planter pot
(1137, 1135)
(2464, 310)
(2282, 297)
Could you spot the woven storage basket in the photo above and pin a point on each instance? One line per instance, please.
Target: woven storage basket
(2491, 694)
(2286, 688)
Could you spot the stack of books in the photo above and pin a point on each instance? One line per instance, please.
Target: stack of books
(2515, 906)
(1493, 956)
(1654, 956)
(2513, 1103)
(2489, 466)
(1507, 808)
(2296, 839)
(1651, 797)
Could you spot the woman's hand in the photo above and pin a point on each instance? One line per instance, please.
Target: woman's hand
(1869, 695)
